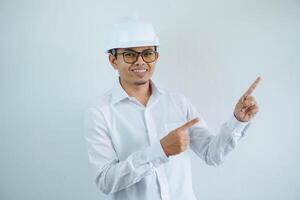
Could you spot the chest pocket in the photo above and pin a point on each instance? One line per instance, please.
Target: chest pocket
(128, 139)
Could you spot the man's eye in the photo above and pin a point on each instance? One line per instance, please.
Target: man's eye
(128, 54)
(149, 54)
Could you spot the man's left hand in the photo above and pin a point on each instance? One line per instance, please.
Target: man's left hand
(246, 108)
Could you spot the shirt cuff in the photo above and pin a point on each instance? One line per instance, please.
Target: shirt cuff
(157, 155)
(235, 125)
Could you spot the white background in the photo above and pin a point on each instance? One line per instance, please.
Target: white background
(53, 63)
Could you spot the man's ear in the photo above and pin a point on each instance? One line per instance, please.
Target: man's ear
(157, 56)
(113, 61)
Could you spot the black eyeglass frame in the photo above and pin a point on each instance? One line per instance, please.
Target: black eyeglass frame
(114, 52)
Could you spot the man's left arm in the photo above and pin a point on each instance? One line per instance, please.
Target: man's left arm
(212, 148)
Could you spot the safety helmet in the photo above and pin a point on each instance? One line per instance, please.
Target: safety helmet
(131, 33)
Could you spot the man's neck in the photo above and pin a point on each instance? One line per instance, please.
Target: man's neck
(140, 92)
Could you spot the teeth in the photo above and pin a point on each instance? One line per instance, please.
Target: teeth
(139, 70)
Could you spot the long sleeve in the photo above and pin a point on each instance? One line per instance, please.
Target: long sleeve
(212, 148)
(111, 174)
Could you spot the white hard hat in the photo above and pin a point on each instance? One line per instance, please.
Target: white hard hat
(131, 33)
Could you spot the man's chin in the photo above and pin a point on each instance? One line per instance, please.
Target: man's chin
(140, 82)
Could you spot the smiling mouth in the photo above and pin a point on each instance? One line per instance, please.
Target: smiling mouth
(139, 70)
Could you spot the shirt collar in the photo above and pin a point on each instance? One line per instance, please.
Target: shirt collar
(118, 93)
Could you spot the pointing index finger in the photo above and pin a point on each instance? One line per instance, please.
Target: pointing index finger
(252, 87)
(189, 124)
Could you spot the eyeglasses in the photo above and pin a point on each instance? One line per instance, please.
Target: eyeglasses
(131, 56)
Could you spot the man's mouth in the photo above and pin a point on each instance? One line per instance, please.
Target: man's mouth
(139, 70)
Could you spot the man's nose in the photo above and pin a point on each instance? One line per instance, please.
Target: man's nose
(140, 61)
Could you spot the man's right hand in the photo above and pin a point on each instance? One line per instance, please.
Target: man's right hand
(177, 140)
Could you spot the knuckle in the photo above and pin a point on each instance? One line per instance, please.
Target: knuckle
(182, 141)
(182, 148)
(251, 98)
(188, 142)
(179, 136)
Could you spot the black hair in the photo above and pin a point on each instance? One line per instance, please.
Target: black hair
(113, 51)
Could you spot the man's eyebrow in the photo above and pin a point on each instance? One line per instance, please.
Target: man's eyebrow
(128, 49)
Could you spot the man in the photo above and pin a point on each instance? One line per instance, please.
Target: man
(139, 136)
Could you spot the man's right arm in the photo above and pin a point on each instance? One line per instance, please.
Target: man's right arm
(111, 174)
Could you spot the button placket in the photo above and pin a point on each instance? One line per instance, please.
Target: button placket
(164, 186)
(149, 126)
(152, 135)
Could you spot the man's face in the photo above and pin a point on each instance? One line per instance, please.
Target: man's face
(137, 73)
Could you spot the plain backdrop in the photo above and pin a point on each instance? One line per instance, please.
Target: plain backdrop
(53, 64)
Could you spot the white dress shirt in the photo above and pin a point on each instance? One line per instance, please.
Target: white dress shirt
(123, 142)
